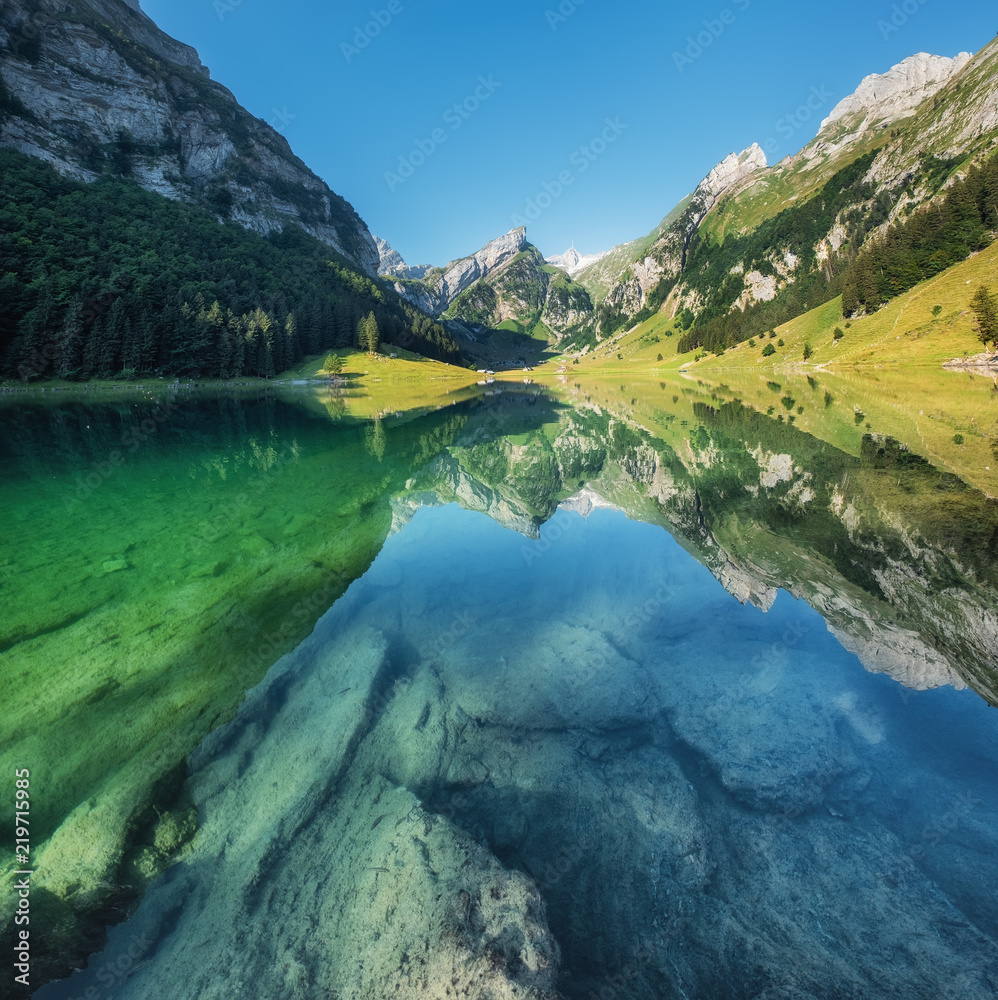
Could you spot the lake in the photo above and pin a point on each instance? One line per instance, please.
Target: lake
(616, 690)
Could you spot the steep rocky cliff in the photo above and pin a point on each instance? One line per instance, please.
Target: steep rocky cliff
(884, 98)
(94, 88)
(920, 123)
(440, 286)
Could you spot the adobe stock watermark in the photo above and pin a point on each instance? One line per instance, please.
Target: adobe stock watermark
(225, 7)
(790, 124)
(581, 160)
(281, 119)
(454, 118)
(713, 28)
(900, 15)
(564, 11)
(366, 33)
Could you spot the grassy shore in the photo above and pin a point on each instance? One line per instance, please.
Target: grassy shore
(927, 326)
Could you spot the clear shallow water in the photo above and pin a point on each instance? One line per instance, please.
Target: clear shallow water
(571, 762)
(714, 799)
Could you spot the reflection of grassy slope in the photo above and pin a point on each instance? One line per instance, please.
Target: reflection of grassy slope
(179, 581)
(883, 538)
(926, 408)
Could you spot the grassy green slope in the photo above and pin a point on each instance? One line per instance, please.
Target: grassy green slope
(906, 331)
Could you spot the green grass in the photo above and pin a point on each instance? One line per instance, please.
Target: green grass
(904, 332)
(376, 384)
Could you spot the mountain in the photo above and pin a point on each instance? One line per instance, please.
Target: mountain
(440, 287)
(117, 131)
(96, 87)
(665, 250)
(572, 262)
(882, 99)
(505, 288)
(756, 245)
(391, 263)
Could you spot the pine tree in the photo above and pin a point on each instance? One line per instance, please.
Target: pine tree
(70, 341)
(110, 344)
(369, 334)
(131, 350)
(292, 345)
(332, 366)
(986, 317)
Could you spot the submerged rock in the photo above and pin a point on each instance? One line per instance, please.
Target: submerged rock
(314, 875)
(414, 805)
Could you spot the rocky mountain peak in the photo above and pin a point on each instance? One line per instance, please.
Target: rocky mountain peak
(734, 168)
(883, 98)
(459, 275)
(103, 76)
(572, 262)
(513, 242)
(392, 263)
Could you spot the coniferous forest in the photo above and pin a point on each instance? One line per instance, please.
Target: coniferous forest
(926, 243)
(107, 280)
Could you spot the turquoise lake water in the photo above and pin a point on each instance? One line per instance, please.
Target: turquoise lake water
(571, 726)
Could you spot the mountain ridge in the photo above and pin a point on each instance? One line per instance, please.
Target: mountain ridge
(99, 87)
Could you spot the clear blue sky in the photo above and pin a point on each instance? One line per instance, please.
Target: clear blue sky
(555, 72)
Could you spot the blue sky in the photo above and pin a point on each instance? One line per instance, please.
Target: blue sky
(444, 123)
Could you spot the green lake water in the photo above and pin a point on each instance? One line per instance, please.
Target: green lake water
(639, 690)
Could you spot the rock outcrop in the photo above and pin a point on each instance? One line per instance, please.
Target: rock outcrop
(391, 263)
(727, 175)
(884, 98)
(443, 285)
(96, 87)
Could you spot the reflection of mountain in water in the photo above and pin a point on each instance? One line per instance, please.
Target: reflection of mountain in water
(572, 766)
(899, 558)
(279, 510)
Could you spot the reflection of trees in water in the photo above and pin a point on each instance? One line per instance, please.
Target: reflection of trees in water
(334, 403)
(374, 439)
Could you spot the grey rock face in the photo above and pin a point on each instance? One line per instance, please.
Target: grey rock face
(394, 900)
(884, 98)
(88, 76)
(443, 287)
(392, 263)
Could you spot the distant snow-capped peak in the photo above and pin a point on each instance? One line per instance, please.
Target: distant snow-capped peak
(572, 262)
